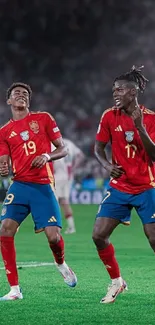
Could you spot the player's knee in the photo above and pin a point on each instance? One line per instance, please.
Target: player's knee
(7, 229)
(52, 234)
(53, 238)
(100, 238)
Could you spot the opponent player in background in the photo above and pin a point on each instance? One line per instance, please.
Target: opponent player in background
(131, 129)
(26, 139)
(64, 170)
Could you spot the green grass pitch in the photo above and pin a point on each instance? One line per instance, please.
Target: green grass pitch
(47, 300)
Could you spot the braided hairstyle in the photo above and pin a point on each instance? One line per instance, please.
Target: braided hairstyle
(135, 75)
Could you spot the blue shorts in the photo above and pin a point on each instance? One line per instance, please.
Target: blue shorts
(37, 199)
(118, 205)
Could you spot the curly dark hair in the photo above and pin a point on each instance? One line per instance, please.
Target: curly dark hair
(18, 84)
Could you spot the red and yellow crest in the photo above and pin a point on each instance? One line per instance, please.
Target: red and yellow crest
(34, 126)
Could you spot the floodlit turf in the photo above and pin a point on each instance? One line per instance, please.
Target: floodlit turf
(47, 300)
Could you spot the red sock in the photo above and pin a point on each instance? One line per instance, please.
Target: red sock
(58, 251)
(107, 256)
(68, 216)
(9, 258)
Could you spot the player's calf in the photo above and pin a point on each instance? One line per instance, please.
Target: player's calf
(58, 252)
(106, 253)
(149, 230)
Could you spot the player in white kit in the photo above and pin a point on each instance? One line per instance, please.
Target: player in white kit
(64, 175)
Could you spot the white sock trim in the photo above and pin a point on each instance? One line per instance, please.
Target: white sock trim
(70, 222)
(15, 288)
(117, 280)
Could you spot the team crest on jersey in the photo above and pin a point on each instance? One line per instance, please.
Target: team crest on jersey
(129, 136)
(24, 135)
(34, 126)
(3, 211)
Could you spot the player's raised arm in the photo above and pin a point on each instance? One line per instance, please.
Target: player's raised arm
(148, 144)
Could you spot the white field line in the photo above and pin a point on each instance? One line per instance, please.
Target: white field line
(30, 264)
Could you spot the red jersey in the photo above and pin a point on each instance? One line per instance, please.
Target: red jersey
(128, 150)
(25, 139)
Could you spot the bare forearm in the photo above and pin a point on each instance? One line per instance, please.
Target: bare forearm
(58, 153)
(114, 170)
(101, 157)
(147, 143)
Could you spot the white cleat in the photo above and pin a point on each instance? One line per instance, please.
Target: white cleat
(12, 295)
(113, 291)
(69, 276)
(70, 231)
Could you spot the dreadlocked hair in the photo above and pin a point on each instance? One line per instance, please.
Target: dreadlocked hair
(19, 84)
(135, 75)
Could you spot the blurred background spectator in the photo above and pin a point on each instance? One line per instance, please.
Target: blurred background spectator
(70, 51)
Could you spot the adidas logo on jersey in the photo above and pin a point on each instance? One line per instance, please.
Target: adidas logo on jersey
(119, 128)
(13, 134)
(52, 219)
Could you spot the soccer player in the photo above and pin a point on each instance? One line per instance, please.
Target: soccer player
(64, 174)
(26, 139)
(131, 129)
